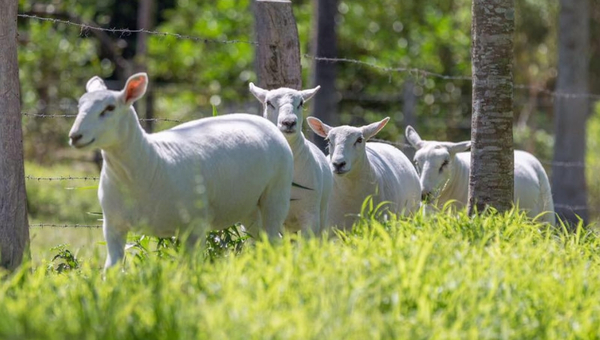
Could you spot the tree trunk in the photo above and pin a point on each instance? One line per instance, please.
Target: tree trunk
(278, 50)
(570, 113)
(14, 227)
(492, 156)
(409, 107)
(324, 44)
(144, 21)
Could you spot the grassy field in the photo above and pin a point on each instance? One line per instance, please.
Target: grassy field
(441, 276)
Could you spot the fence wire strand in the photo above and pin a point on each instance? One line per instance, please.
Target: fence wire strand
(57, 225)
(45, 115)
(63, 178)
(127, 31)
(375, 65)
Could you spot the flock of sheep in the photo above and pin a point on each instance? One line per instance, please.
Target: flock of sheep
(242, 168)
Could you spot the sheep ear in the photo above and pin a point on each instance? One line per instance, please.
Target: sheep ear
(320, 128)
(260, 94)
(459, 147)
(95, 84)
(413, 138)
(307, 94)
(373, 128)
(135, 88)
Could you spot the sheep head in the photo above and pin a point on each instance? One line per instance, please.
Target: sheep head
(102, 112)
(283, 107)
(434, 162)
(346, 143)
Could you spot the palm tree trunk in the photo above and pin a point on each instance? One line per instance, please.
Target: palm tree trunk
(492, 156)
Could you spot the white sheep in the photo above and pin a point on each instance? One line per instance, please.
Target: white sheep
(211, 172)
(444, 175)
(312, 177)
(363, 169)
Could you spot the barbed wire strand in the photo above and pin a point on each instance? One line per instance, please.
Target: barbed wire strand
(45, 115)
(124, 31)
(574, 207)
(410, 70)
(63, 178)
(424, 73)
(56, 225)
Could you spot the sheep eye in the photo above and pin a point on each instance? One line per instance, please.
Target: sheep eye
(301, 104)
(359, 140)
(107, 109)
(269, 104)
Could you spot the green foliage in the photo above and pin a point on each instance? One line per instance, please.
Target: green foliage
(64, 260)
(226, 242)
(441, 276)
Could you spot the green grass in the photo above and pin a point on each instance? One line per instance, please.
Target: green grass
(441, 276)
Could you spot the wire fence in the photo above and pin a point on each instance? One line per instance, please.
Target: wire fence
(415, 72)
(126, 31)
(54, 225)
(374, 64)
(44, 115)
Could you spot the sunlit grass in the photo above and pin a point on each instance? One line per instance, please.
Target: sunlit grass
(440, 276)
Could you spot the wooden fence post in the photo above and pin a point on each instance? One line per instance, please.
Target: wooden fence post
(14, 227)
(278, 50)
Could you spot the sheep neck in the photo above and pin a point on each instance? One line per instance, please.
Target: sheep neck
(361, 176)
(130, 159)
(458, 176)
(296, 142)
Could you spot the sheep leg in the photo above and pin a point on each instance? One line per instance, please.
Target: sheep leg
(274, 205)
(115, 245)
(324, 212)
(253, 223)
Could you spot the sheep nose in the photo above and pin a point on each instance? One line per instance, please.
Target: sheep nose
(75, 138)
(289, 124)
(339, 165)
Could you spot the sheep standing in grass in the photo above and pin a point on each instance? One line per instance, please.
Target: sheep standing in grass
(211, 172)
(366, 169)
(444, 169)
(313, 179)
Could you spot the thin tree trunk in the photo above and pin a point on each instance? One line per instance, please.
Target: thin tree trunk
(492, 156)
(409, 107)
(568, 170)
(145, 21)
(14, 227)
(324, 44)
(278, 50)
